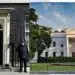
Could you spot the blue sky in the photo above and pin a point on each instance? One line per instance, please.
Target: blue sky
(55, 15)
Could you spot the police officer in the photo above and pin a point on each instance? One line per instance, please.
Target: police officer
(22, 52)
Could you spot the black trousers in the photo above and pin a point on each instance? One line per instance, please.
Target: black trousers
(23, 61)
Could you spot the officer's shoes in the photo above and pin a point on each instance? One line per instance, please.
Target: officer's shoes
(20, 70)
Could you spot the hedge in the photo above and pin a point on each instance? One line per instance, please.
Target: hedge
(56, 59)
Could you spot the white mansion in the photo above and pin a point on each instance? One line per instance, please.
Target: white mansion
(63, 43)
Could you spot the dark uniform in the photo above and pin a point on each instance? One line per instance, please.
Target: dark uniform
(22, 52)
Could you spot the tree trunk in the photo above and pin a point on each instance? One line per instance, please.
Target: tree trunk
(38, 56)
(46, 54)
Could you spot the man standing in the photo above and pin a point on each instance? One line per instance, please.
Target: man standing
(23, 54)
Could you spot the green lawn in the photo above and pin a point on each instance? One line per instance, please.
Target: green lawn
(40, 67)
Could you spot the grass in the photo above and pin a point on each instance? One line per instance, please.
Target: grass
(42, 67)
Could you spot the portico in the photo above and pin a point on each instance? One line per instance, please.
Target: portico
(70, 37)
(4, 37)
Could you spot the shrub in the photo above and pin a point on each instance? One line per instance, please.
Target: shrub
(56, 59)
(42, 59)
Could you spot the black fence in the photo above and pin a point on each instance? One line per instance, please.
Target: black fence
(14, 59)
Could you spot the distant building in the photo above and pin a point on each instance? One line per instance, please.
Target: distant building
(63, 43)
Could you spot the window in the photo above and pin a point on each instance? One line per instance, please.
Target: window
(73, 54)
(26, 23)
(46, 54)
(0, 26)
(54, 44)
(54, 54)
(62, 45)
(27, 18)
(27, 27)
(62, 54)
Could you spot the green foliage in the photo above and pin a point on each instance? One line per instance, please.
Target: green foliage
(46, 38)
(33, 16)
(39, 38)
(33, 39)
(57, 59)
(31, 54)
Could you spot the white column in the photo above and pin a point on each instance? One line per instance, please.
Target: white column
(67, 47)
(4, 41)
(7, 39)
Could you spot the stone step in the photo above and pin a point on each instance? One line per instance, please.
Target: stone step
(12, 69)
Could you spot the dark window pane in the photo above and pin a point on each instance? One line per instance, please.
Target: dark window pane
(62, 45)
(0, 26)
(46, 53)
(54, 54)
(73, 54)
(54, 44)
(27, 19)
(62, 53)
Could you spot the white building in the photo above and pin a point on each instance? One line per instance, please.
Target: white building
(63, 43)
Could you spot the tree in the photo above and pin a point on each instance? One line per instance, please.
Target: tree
(39, 39)
(45, 38)
(33, 16)
(39, 36)
(33, 39)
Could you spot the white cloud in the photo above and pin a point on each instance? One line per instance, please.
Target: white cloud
(55, 20)
(60, 17)
(45, 21)
(64, 20)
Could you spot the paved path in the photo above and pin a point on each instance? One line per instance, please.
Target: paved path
(17, 73)
(13, 73)
(14, 69)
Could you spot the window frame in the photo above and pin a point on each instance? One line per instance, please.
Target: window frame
(54, 44)
(54, 54)
(62, 54)
(61, 45)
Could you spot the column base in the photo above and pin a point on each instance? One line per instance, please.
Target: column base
(7, 65)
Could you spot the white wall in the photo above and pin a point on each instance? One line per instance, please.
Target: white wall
(59, 38)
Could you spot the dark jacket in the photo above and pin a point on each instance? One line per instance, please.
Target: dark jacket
(22, 51)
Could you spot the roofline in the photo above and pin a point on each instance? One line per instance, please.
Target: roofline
(14, 3)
